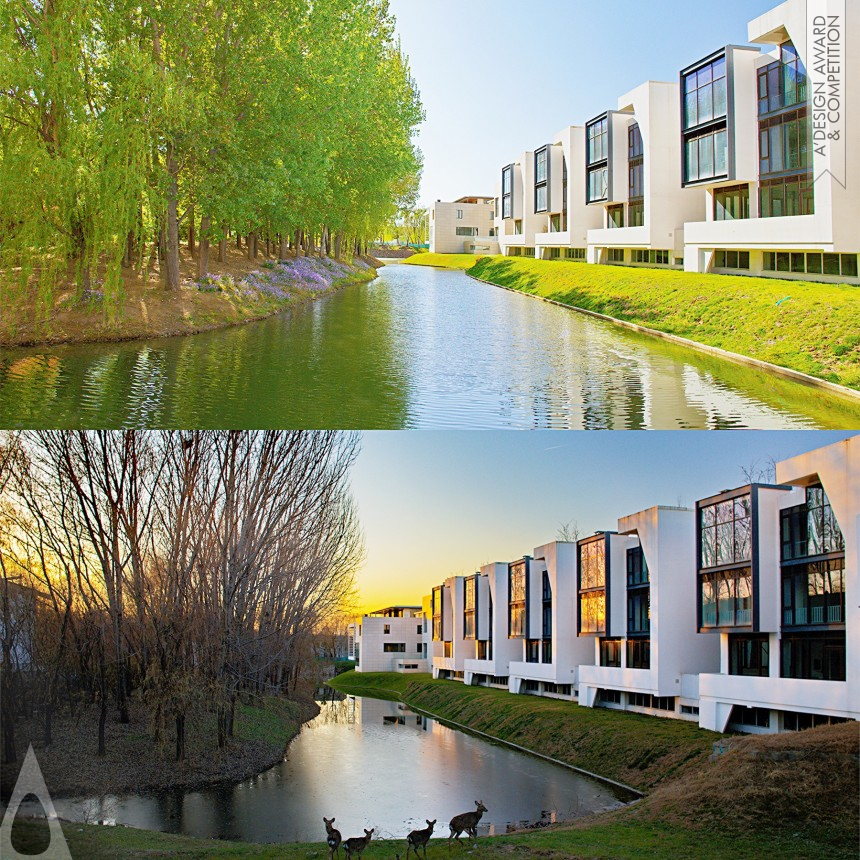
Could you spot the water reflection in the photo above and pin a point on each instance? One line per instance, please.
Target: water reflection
(416, 348)
(369, 763)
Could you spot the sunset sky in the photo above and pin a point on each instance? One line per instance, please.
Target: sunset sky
(433, 504)
(498, 77)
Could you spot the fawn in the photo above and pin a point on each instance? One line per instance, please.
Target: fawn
(333, 837)
(419, 838)
(357, 843)
(468, 822)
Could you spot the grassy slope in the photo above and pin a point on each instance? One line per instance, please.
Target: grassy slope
(813, 329)
(442, 261)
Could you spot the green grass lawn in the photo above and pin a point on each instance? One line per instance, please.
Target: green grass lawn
(800, 325)
(443, 261)
(620, 836)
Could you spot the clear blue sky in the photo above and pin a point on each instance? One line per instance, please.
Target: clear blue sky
(434, 504)
(498, 77)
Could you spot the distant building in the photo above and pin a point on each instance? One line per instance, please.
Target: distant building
(463, 227)
(389, 640)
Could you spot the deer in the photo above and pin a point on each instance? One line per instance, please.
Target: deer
(333, 837)
(419, 838)
(357, 843)
(468, 822)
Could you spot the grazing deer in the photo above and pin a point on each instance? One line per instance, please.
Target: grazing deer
(333, 837)
(468, 822)
(419, 838)
(357, 843)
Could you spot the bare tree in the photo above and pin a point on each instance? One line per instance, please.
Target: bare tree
(568, 531)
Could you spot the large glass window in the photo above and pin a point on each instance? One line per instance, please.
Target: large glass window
(707, 156)
(437, 613)
(592, 586)
(749, 655)
(638, 654)
(533, 651)
(810, 529)
(731, 204)
(597, 138)
(508, 191)
(725, 529)
(598, 184)
(542, 180)
(547, 606)
(726, 598)
(563, 193)
(639, 611)
(815, 656)
(615, 215)
(636, 181)
(517, 600)
(782, 83)
(637, 567)
(610, 652)
(705, 94)
(814, 593)
(470, 595)
(785, 142)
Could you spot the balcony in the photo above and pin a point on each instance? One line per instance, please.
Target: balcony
(538, 672)
(620, 237)
(791, 231)
(834, 614)
(554, 240)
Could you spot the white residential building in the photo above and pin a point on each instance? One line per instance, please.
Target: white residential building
(489, 653)
(393, 639)
(779, 198)
(778, 583)
(550, 652)
(448, 654)
(463, 227)
(649, 660)
(632, 168)
(542, 209)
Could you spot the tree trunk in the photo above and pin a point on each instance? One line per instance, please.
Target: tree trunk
(222, 250)
(338, 239)
(180, 737)
(311, 244)
(282, 251)
(172, 279)
(238, 240)
(191, 230)
(252, 246)
(102, 720)
(129, 250)
(10, 754)
(48, 736)
(297, 243)
(268, 246)
(203, 258)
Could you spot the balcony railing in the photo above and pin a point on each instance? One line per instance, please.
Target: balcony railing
(833, 614)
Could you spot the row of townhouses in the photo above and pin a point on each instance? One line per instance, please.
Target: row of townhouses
(748, 163)
(742, 614)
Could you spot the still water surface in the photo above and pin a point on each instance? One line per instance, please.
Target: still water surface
(417, 348)
(369, 763)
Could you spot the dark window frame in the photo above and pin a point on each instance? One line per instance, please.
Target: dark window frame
(544, 183)
(508, 196)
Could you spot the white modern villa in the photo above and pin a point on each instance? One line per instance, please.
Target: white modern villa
(742, 614)
(465, 226)
(748, 163)
(393, 639)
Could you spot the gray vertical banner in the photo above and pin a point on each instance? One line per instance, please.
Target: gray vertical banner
(826, 68)
(31, 781)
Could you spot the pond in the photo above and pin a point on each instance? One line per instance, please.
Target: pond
(369, 763)
(416, 348)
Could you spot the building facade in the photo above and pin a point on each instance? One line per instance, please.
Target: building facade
(777, 582)
(393, 639)
(646, 660)
(464, 226)
(747, 164)
(743, 614)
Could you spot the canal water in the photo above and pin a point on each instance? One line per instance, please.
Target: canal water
(369, 763)
(416, 348)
